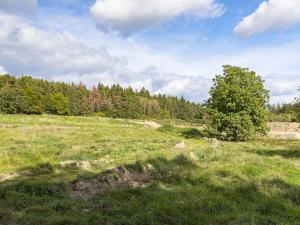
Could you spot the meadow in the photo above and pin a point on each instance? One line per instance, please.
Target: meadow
(51, 167)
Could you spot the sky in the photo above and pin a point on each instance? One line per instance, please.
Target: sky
(174, 47)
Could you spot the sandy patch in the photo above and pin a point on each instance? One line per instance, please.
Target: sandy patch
(180, 145)
(284, 130)
(6, 177)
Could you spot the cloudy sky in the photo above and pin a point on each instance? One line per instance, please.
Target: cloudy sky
(172, 46)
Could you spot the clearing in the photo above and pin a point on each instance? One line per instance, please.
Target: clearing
(89, 171)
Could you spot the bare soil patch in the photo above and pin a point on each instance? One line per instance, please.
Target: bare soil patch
(5, 177)
(284, 130)
(117, 178)
(284, 127)
(85, 165)
(180, 145)
(149, 123)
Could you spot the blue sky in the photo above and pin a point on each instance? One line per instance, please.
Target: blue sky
(171, 47)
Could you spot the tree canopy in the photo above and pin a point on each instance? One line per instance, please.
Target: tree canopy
(35, 96)
(238, 104)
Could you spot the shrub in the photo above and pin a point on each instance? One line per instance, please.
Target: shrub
(238, 105)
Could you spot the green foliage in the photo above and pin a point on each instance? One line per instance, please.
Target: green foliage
(232, 126)
(33, 101)
(58, 104)
(238, 105)
(12, 100)
(33, 96)
(287, 112)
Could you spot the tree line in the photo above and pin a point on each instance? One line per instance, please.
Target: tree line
(27, 95)
(237, 109)
(286, 112)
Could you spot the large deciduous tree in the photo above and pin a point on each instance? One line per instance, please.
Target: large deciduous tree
(238, 105)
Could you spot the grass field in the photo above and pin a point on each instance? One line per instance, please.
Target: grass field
(205, 182)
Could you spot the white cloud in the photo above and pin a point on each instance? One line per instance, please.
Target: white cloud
(27, 49)
(270, 15)
(284, 87)
(193, 88)
(59, 56)
(23, 7)
(2, 70)
(132, 15)
(66, 56)
(277, 64)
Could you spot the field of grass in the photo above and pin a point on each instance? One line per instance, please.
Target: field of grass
(206, 182)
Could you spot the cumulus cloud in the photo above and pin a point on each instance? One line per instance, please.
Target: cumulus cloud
(157, 82)
(270, 15)
(283, 87)
(128, 16)
(27, 49)
(24, 7)
(61, 56)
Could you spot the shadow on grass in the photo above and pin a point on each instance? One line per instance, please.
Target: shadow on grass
(187, 133)
(288, 153)
(194, 133)
(181, 193)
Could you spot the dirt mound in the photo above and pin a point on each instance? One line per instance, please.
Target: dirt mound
(284, 130)
(119, 177)
(284, 127)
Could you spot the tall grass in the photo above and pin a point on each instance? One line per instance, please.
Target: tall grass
(229, 183)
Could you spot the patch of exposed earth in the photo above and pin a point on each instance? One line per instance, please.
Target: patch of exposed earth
(284, 130)
(6, 177)
(148, 123)
(117, 178)
(85, 165)
(180, 145)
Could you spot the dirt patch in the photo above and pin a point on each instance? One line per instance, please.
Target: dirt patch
(180, 145)
(117, 178)
(151, 124)
(284, 130)
(284, 127)
(193, 156)
(5, 177)
(215, 143)
(85, 165)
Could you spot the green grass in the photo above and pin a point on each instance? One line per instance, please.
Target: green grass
(254, 183)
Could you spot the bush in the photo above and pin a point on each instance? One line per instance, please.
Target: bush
(238, 105)
(232, 127)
